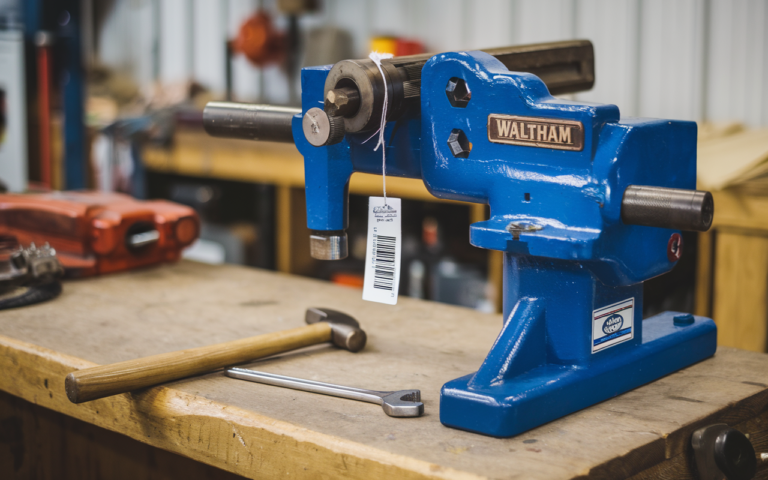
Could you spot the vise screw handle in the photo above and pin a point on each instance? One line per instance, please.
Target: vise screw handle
(249, 122)
(679, 209)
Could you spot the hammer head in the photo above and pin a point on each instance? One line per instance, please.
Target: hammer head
(346, 331)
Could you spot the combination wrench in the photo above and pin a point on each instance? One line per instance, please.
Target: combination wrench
(401, 403)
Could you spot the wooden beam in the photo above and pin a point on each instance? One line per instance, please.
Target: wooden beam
(740, 290)
(704, 274)
(283, 222)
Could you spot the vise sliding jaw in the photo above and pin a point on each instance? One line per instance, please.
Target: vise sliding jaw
(585, 206)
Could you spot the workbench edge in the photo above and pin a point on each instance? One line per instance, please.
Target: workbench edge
(230, 438)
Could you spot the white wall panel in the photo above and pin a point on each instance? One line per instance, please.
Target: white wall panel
(490, 24)
(440, 24)
(209, 44)
(143, 43)
(613, 28)
(126, 40)
(175, 65)
(13, 145)
(391, 18)
(246, 79)
(738, 68)
(544, 20)
(671, 59)
(353, 16)
(686, 59)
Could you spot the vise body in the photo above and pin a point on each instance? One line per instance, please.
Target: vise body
(585, 205)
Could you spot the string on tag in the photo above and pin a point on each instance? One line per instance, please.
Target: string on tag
(377, 58)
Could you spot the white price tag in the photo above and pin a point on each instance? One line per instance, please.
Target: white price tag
(382, 255)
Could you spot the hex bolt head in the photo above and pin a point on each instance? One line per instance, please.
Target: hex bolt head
(459, 144)
(458, 92)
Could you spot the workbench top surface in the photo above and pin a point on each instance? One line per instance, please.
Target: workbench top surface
(261, 431)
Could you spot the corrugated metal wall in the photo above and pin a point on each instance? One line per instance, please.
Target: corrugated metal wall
(682, 59)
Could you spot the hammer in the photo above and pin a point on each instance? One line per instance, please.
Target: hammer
(324, 325)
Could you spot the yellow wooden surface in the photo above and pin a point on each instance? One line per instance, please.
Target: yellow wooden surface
(261, 431)
(741, 288)
(732, 270)
(704, 274)
(292, 234)
(736, 209)
(197, 154)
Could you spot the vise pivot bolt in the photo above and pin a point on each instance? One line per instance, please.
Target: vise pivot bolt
(322, 129)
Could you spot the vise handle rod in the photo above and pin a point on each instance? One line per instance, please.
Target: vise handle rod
(565, 67)
(679, 209)
(249, 122)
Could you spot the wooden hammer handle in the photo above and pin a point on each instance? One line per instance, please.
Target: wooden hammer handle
(105, 380)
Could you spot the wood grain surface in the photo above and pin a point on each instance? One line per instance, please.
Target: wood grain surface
(126, 376)
(261, 431)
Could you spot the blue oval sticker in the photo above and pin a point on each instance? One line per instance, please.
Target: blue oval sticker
(613, 323)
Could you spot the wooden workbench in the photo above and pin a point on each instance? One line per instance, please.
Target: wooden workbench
(260, 431)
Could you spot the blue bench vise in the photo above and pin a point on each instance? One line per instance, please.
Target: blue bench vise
(585, 205)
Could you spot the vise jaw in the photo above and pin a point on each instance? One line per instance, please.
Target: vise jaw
(584, 204)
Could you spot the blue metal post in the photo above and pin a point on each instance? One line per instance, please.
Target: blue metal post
(74, 98)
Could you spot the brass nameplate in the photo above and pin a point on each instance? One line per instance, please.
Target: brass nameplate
(536, 132)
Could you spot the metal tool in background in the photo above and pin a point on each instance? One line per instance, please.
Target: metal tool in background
(27, 275)
(324, 325)
(585, 205)
(31, 265)
(401, 403)
(97, 232)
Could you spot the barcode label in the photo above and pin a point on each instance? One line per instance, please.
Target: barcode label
(383, 262)
(382, 259)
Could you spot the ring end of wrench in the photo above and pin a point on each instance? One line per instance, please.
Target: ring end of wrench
(403, 404)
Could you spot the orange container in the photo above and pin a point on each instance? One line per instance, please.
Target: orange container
(95, 232)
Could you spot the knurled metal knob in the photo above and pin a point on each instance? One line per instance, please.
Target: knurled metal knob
(321, 129)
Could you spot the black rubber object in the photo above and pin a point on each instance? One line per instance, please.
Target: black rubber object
(735, 455)
(32, 295)
(690, 210)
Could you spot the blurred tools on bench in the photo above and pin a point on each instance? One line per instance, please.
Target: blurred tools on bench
(96, 232)
(27, 275)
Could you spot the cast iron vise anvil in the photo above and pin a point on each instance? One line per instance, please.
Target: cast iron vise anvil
(584, 204)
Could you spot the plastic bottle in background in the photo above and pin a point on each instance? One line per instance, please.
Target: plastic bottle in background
(416, 273)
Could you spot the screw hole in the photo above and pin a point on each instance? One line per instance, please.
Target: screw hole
(527, 197)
